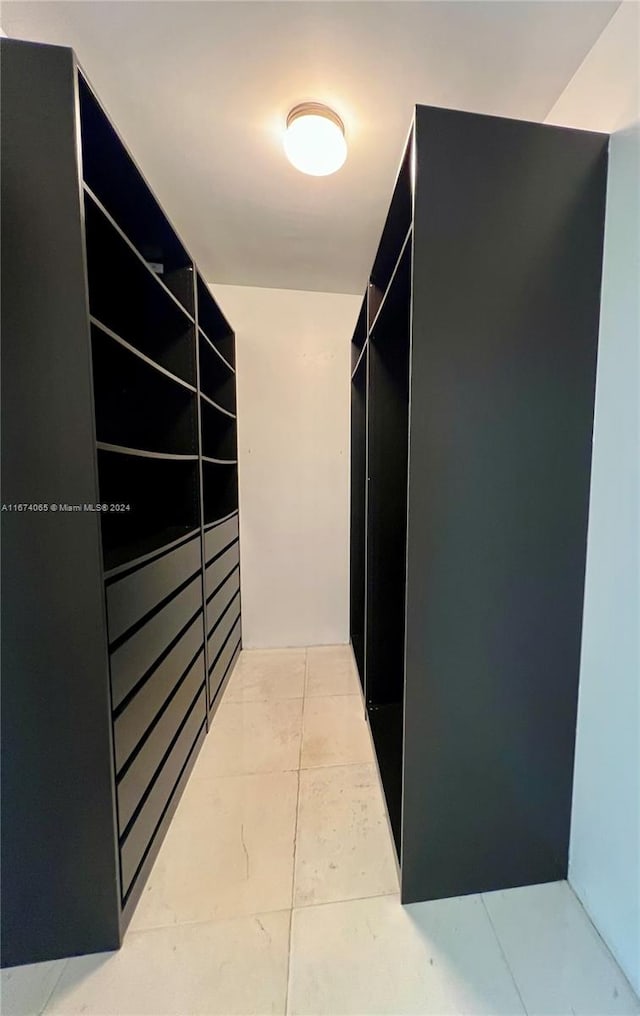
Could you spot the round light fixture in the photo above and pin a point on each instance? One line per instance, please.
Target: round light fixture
(314, 141)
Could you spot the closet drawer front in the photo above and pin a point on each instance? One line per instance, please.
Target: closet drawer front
(220, 568)
(218, 637)
(130, 726)
(133, 596)
(140, 774)
(135, 656)
(219, 537)
(225, 661)
(142, 831)
(222, 599)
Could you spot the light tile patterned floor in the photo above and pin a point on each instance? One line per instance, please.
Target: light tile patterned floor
(276, 889)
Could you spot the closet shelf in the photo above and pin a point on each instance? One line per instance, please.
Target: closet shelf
(112, 222)
(216, 406)
(217, 380)
(215, 349)
(144, 558)
(214, 324)
(138, 550)
(359, 360)
(399, 219)
(224, 518)
(103, 446)
(142, 356)
(389, 288)
(219, 462)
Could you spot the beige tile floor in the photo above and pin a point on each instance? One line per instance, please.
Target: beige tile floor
(276, 890)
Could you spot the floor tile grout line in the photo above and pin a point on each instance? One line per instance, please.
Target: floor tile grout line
(202, 921)
(247, 916)
(291, 698)
(304, 699)
(288, 974)
(347, 899)
(306, 673)
(54, 986)
(264, 701)
(504, 955)
(295, 836)
(304, 704)
(336, 694)
(248, 772)
(339, 765)
(236, 776)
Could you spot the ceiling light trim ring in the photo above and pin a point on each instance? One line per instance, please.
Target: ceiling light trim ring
(314, 109)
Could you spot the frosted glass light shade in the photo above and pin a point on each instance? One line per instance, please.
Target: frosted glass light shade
(314, 140)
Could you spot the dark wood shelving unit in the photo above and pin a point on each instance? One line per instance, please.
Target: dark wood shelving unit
(472, 394)
(120, 413)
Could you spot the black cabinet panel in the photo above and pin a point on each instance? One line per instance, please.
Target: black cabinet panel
(221, 599)
(131, 660)
(218, 570)
(59, 866)
(220, 633)
(223, 666)
(134, 595)
(132, 723)
(217, 538)
(133, 784)
(109, 366)
(141, 834)
(144, 869)
(478, 398)
(505, 329)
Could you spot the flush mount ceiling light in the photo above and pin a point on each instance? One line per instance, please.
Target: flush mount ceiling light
(314, 140)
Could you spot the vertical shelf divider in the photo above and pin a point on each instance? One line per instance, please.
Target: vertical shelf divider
(196, 353)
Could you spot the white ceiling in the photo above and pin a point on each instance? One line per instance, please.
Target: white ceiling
(200, 91)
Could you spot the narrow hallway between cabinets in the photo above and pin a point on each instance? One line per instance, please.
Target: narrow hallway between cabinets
(276, 890)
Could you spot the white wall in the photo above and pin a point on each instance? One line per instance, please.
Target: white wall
(293, 365)
(604, 861)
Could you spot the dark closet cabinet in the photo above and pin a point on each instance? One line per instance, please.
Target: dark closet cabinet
(120, 554)
(473, 382)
